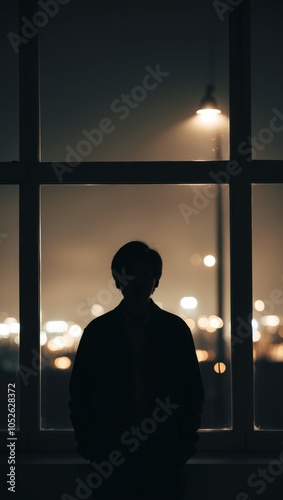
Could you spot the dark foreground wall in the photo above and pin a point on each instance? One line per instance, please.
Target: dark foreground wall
(230, 477)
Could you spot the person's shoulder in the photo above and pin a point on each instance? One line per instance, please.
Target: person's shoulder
(102, 321)
(97, 332)
(170, 318)
(98, 327)
(175, 330)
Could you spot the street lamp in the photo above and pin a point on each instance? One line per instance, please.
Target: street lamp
(208, 106)
(209, 112)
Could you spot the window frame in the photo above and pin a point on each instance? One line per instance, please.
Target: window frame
(30, 173)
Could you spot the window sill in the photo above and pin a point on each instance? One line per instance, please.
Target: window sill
(201, 458)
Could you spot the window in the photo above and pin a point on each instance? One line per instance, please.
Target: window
(99, 141)
(266, 80)
(9, 292)
(116, 97)
(9, 85)
(77, 285)
(267, 304)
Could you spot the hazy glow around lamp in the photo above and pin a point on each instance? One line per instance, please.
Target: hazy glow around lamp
(208, 109)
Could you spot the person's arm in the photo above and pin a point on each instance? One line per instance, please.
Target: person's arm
(193, 395)
(80, 392)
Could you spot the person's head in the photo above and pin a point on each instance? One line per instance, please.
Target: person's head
(136, 269)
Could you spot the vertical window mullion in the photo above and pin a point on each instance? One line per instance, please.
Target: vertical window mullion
(29, 229)
(240, 222)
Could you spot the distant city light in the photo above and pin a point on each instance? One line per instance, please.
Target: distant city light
(203, 322)
(10, 325)
(189, 302)
(209, 261)
(51, 346)
(63, 363)
(259, 305)
(277, 352)
(43, 338)
(201, 355)
(254, 325)
(56, 343)
(75, 331)
(69, 340)
(4, 330)
(9, 320)
(211, 329)
(270, 320)
(56, 326)
(256, 336)
(219, 367)
(215, 322)
(97, 310)
(15, 327)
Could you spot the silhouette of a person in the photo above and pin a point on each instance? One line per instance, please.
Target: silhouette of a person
(136, 390)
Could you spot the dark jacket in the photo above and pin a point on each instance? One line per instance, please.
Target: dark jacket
(100, 387)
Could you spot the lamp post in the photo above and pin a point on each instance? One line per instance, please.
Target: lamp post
(209, 112)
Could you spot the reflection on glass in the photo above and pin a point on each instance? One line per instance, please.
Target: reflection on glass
(267, 323)
(9, 83)
(9, 292)
(122, 86)
(267, 80)
(81, 229)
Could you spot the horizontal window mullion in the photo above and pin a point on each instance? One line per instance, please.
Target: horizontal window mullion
(138, 172)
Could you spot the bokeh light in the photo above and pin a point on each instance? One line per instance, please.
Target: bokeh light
(219, 367)
(97, 310)
(62, 363)
(209, 261)
(189, 302)
(56, 327)
(270, 320)
(202, 355)
(259, 305)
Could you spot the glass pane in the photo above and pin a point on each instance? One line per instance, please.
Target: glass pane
(9, 82)
(268, 300)
(123, 84)
(82, 227)
(9, 304)
(267, 79)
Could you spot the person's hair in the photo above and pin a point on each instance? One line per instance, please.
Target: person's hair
(131, 251)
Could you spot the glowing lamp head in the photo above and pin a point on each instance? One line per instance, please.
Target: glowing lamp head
(208, 115)
(208, 109)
